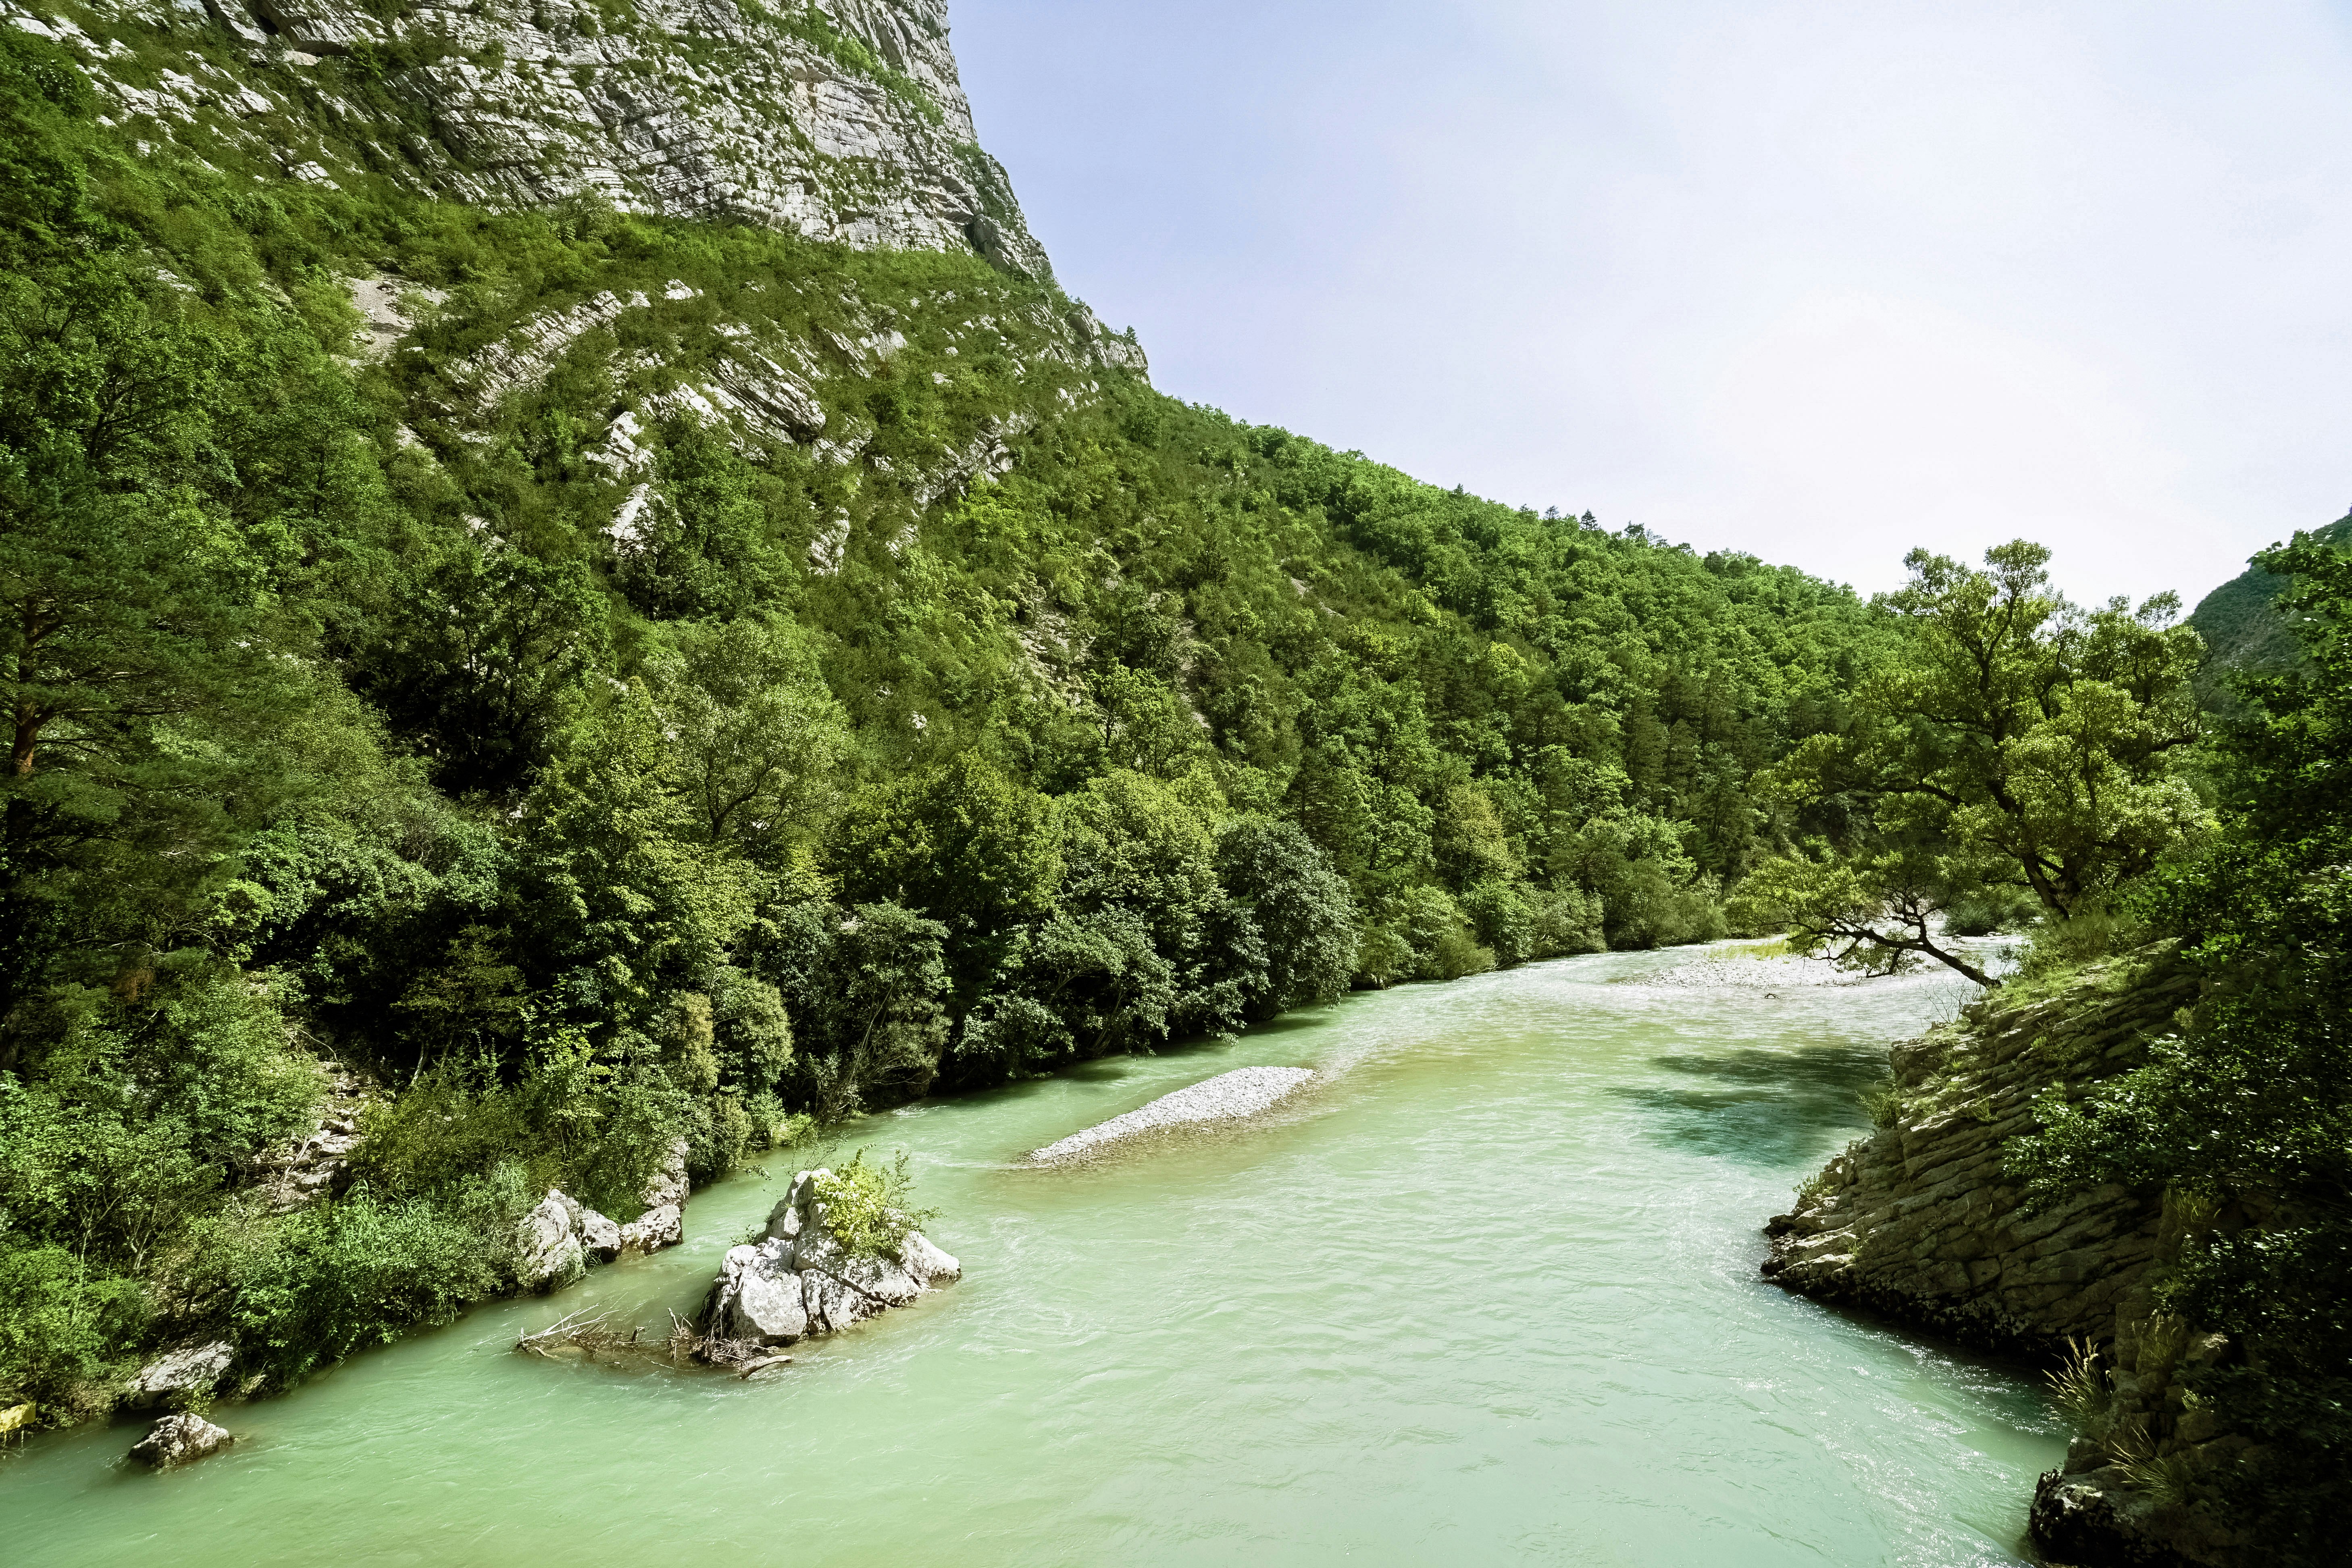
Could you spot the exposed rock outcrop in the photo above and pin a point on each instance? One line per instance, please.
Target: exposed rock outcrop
(555, 1240)
(844, 120)
(179, 1440)
(193, 1369)
(548, 1248)
(1922, 1222)
(319, 1163)
(797, 1279)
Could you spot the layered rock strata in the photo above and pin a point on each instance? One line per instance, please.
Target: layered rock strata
(1923, 1223)
(797, 1279)
(840, 119)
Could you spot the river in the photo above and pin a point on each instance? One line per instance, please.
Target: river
(1486, 1293)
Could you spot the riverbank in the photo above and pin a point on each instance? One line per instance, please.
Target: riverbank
(1256, 1320)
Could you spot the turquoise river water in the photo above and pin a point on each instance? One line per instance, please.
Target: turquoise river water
(1487, 1294)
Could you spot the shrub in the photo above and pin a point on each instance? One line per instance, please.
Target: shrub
(63, 1326)
(870, 1208)
(361, 1270)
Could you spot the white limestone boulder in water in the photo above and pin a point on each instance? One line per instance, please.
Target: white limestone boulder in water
(758, 1297)
(798, 1279)
(599, 1237)
(1244, 1092)
(180, 1440)
(653, 1229)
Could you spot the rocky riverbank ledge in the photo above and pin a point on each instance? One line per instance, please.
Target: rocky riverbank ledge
(554, 1241)
(1922, 1222)
(798, 1279)
(1244, 1092)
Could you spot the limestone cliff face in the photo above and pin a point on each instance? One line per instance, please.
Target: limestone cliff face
(1922, 1223)
(840, 119)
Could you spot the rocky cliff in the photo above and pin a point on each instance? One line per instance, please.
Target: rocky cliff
(1922, 1222)
(839, 120)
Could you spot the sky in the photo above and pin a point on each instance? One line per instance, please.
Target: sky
(1821, 282)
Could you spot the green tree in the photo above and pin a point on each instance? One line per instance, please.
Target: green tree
(487, 645)
(2247, 1109)
(756, 737)
(129, 610)
(1292, 905)
(2014, 741)
(962, 843)
(620, 905)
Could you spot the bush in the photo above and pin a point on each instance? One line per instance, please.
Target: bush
(870, 1208)
(62, 1326)
(1984, 911)
(363, 1271)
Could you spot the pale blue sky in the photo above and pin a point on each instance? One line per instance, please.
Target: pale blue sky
(1817, 281)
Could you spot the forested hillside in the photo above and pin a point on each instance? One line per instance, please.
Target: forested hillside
(657, 676)
(2243, 629)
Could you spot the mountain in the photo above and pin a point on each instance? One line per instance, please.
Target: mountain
(2241, 629)
(575, 591)
(842, 121)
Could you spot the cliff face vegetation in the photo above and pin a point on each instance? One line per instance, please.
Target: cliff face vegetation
(569, 582)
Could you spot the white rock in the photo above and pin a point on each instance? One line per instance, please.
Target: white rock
(547, 1243)
(832, 1305)
(1244, 1092)
(178, 1440)
(668, 1184)
(758, 1297)
(926, 1263)
(653, 1229)
(193, 1367)
(599, 1235)
(816, 1251)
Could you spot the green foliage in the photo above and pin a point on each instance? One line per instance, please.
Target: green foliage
(598, 776)
(361, 1270)
(869, 1209)
(2248, 1108)
(2015, 742)
(2078, 1387)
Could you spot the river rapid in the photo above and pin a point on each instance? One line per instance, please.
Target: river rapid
(1486, 1292)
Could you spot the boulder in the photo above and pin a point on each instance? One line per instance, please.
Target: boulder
(668, 1186)
(797, 1278)
(189, 1370)
(758, 1297)
(599, 1237)
(547, 1243)
(179, 1440)
(832, 1305)
(653, 1229)
(925, 1262)
(816, 1251)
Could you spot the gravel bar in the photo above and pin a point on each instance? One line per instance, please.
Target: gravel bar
(1242, 1092)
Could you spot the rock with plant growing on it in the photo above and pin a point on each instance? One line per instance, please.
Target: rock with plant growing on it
(840, 1246)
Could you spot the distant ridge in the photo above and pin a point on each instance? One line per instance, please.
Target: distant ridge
(2241, 628)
